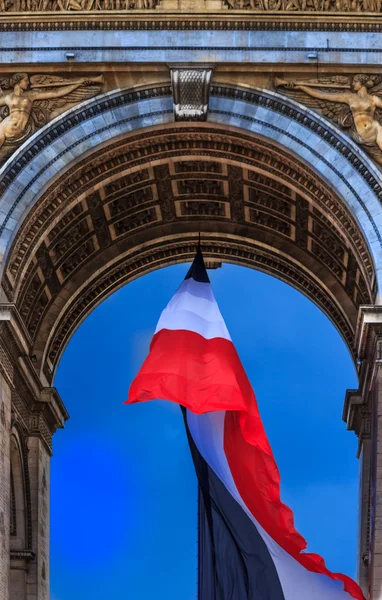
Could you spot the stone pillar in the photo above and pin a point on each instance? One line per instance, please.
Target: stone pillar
(38, 572)
(5, 495)
(46, 415)
(363, 414)
(376, 490)
(30, 413)
(363, 555)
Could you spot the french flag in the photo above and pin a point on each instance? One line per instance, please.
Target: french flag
(248, 546)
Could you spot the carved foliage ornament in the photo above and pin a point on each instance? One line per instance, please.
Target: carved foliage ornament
(28, 103)
(355, 104)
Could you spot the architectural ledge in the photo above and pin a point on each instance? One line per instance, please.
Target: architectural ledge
(351, 412)
(10, 314)
(53, 408)
(357, 416)
(369, 322)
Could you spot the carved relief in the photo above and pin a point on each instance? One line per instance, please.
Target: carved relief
(328, 260)
(353, 104)
(69, 240)
(197, 166)
(256, 196)
(202, 208)
(269, 221)
(306, 5)
(200, 186)
(126, 181)
(136, 220)
(28, 103)
(127, 201)
(77, 257)
(74, 5)
(328, 240)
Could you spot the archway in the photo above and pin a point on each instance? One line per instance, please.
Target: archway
(124, 474)
(113, 189)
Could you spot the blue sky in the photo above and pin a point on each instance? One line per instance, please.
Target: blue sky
(123, 490)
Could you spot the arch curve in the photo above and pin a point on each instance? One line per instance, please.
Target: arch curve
(113, 189)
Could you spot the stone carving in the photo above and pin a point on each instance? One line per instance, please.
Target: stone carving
(191, 93)
(307, 5)
(74, 5)
(28, 103)
(355, 105)
(205, 208)
(200, 186)
(21, 6)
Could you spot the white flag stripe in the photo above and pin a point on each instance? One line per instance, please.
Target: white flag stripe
(298, 583)
(193, 308)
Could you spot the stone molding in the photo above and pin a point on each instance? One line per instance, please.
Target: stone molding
(288, 7)
(177, 21)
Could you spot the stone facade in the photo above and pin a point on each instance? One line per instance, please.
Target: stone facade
(144, 127)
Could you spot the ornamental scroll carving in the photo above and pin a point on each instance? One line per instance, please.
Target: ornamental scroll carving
(355, 104)
(28, 103)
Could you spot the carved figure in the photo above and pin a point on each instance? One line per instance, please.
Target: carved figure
(355, 105)
(30, 102)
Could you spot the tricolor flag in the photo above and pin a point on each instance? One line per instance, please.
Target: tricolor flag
(248, 546)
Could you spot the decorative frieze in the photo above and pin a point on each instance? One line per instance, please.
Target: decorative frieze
(126, 6)
(49, 6)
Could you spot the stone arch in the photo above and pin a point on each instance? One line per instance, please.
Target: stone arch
(115, 188)
(290, 195)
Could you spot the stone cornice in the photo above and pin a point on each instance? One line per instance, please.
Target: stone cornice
(54, 407)
(154, 20)
(369, 326)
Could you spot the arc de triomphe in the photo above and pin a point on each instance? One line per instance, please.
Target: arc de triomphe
(128, 127)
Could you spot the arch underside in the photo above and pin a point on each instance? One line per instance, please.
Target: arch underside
(138, 204)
